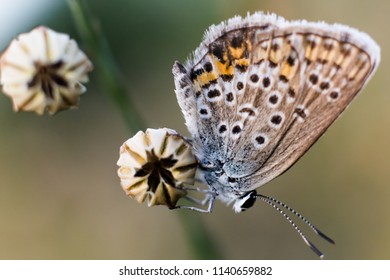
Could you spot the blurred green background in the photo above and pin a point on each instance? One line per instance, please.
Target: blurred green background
(60, 196)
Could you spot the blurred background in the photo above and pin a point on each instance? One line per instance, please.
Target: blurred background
(60, 196)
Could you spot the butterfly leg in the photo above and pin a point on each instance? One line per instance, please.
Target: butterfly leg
(200, 190)
(209, 199)
(201, 202)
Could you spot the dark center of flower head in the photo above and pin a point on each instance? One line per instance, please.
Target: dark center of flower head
(157, 169)
(47, 77)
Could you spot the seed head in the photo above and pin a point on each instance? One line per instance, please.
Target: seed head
(43, 70)
(154, 165)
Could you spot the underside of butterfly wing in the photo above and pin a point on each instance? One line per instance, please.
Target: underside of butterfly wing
(259, 91)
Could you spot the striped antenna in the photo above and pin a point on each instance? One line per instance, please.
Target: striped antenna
(274, 203)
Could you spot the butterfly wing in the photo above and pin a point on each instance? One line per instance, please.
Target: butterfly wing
(260, 91)
(337, 62)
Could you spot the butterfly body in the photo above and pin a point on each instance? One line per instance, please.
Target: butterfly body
(259, 91)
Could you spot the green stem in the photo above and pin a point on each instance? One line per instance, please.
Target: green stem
(202, 245)
(109, 74)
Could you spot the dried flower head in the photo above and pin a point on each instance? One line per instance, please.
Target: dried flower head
(43, 69)
(154, 166)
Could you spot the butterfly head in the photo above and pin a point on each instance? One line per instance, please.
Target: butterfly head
(245, 201)
(217, 177)
(227, 188)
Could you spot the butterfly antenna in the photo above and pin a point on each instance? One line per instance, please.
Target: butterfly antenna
(314, 228)
(311, 245)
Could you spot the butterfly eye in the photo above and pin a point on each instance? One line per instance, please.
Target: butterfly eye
(244, 202)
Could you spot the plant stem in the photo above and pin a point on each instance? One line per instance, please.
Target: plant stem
(109, 74)
(202, 245)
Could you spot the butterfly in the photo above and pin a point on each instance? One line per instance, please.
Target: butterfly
(257, 94)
